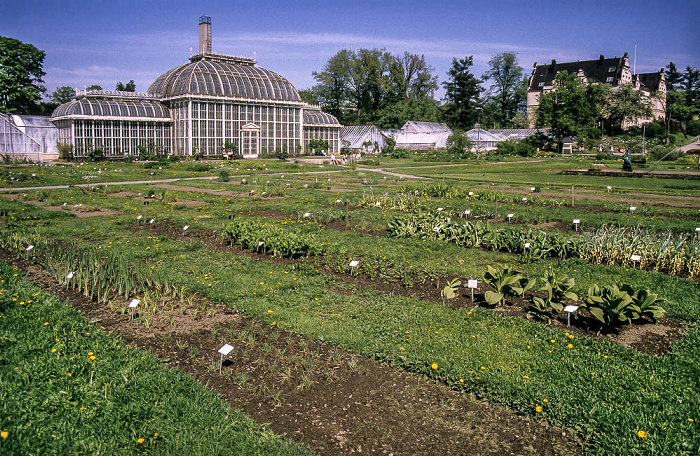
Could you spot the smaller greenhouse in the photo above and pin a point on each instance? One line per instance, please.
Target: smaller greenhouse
(114, 122)
(362, 138)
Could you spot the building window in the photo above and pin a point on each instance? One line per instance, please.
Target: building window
(541, 84)
(609, 79)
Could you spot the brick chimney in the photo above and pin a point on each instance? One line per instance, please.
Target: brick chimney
(205, 35)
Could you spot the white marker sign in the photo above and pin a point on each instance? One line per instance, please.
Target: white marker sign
(29, 248)
(354, 263)
(472, 283)
(184, 228)
(635, 257)
(577, 221)
(226, 349)
(134, 303)
(70, 275)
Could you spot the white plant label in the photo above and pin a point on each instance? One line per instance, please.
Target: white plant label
(226, 349)
(151, 221)
(635, 258)
(260, 243)
(471, 283)
(354, 263)
(440, 209)
(532, 189)
(577, 221)
(471, 193)
(633, 208)
(139, 217)
(524, 200)
(306, 214)
(697, 229)
(378, 203)
(467, 212)
(134, 303)
(510, 215)
(29, 248)
(338, 201)
(184, 228)
(570, 309)
(527, 245)
(70, 275)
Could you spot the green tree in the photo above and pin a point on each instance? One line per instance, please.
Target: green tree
(572, 108)
(462, 94)
(508, 87)
(375, 86)
(94, 87)
(682, 100)
(333, 86)
(21, 70)
(624, 104)
(63, 94)
(128, 87)
(458, 143)
(309, 96)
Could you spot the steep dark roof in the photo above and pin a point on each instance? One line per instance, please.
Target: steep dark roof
(599, 70)
(651, 81)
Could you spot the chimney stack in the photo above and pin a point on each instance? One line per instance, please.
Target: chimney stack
(205, 35)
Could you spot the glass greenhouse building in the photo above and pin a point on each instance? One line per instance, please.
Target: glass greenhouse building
(210, 104)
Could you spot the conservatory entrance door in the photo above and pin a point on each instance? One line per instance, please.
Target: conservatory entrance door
(250, 140)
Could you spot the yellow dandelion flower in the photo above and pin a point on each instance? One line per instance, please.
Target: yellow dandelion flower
(570, 346)
(641, 434)
(538, 409)
(545, 400)
(140, 440)
(482, 368)
(46, 323)
(93, 358)
(155, 435)
(4, 434)
(552, 341)
(434, 366)
(461, 380)
(526, 377)
(53, 350)
(69, 374)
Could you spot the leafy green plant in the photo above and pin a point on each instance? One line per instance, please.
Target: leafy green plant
(611, 306)
(450, 290)
(503, 279)
(648, 303)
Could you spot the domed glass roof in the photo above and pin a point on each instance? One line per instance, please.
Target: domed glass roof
(314, 116)
(224, 76)
(110, 104)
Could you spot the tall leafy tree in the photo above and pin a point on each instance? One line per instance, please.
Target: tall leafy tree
(462, 91)
(508, 86)
(63, 94)
(128, 87)
(94, 87)
(21, 70)
(333, 87)
(622, 105)
(572, 108)
(375, 86)
(682, 102)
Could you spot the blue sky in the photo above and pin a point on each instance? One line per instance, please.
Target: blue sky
(102, 42)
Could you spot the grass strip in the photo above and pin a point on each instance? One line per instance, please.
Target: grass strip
(68, 387)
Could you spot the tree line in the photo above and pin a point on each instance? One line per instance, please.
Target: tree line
(373, 86)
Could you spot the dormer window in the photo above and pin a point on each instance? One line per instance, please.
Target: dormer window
(541, 84)
(609, 79)
(612, 69)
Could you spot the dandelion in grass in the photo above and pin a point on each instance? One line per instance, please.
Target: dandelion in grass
(140, 440)
(434, 366)
(538, 409)
(545, 400)
(461, 380)
(570, 346)
(641, 434)
(526, 377)
(93, 358)
(46, 323)
(53, 350)
(553, 341)
(4, 434)
(482, 368)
